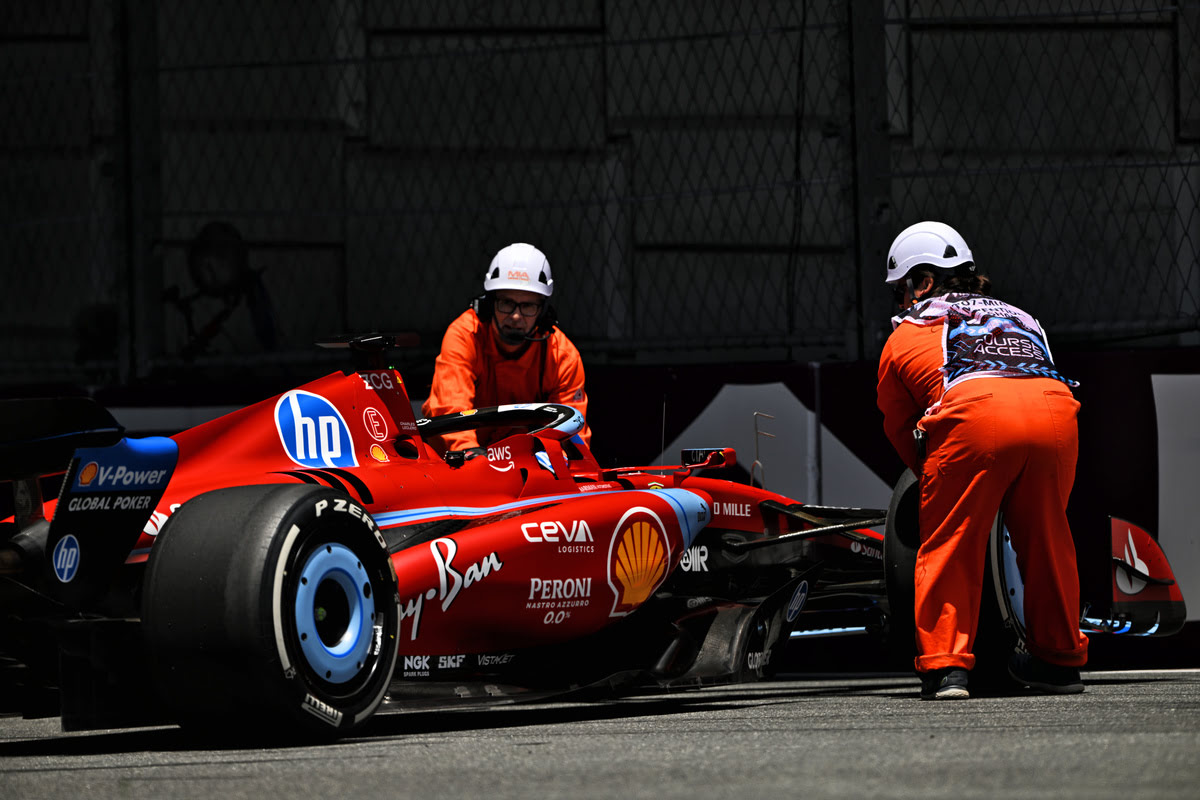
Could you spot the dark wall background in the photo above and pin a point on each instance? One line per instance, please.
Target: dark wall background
(712, 181)
(716, 185)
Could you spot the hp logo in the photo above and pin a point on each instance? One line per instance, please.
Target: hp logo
(797, 602)
(313, 432)
(65, 558)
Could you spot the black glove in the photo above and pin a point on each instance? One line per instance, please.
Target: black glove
(456, 458)
(920, 438)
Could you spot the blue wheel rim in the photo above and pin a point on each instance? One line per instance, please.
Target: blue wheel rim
(333, 576)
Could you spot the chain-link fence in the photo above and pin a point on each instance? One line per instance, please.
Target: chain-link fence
(218, 184)
(1063, 139)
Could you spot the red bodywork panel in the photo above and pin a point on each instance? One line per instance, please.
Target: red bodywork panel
(530, 543)
(532, 568)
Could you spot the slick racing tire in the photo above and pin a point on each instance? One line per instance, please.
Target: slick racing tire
(901, 539)
(994, 637)
(271, 611)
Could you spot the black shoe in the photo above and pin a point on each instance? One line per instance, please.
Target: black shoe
(1050, 678)
(949, 683)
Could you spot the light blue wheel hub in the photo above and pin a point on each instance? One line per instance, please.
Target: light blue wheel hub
(1014, 585)
(335, 613)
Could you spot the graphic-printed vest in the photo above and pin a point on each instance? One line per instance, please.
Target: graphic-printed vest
(984, 337)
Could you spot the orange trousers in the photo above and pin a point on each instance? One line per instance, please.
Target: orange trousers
(995, 444)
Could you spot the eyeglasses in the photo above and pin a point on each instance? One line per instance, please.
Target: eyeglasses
(506, 307)
(898, 292)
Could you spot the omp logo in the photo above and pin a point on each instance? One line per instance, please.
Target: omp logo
(65, 558)
(637, 559)
(88, 473)
(313, 432)
(518, 275)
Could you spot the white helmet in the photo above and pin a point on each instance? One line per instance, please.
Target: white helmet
(929, 244)
(519, 266)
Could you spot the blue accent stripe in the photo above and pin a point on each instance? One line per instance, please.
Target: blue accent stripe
(391, 519)
(689, 528)
(819, 632)
(684, 502)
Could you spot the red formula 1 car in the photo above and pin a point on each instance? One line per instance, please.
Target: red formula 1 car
(295, 565)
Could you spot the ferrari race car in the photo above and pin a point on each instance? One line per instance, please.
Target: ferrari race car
(292, 567)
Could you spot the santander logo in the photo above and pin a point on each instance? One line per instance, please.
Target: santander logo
(1125, 582)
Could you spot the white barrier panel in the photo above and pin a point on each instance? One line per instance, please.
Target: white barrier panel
(1175, 399)
(728, 421)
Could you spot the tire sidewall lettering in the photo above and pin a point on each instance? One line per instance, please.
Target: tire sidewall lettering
(306, 531)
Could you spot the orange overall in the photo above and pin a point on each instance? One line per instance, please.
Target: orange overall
(1001, 429)
(472, 371)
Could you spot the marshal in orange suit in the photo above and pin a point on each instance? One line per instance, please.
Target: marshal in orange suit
(974, 377)
(506, 348)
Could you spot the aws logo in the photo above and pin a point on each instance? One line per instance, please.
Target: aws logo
(313, 432)
(638, 555)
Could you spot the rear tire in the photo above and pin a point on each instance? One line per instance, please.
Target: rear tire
(271, 611)
(901, 539)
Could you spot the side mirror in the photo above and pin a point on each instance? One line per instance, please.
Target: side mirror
(708, 457)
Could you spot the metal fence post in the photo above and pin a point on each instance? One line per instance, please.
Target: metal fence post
(872, 185)
(140, 231)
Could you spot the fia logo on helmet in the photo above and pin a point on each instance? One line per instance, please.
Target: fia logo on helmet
(313, 432)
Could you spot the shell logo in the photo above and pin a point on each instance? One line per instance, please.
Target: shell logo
(88, 473)
(638, 555)
(379, 454)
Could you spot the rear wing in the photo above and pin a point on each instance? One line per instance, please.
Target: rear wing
(110, 487)
(39, 437)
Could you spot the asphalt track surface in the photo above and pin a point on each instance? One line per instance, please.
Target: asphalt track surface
(1132, 734)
